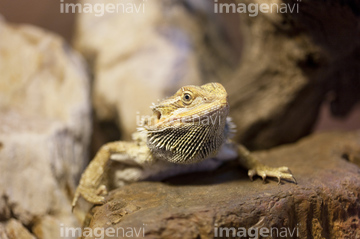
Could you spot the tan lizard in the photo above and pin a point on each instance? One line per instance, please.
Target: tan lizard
(189, 131)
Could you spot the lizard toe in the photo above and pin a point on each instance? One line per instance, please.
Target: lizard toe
(281, 173)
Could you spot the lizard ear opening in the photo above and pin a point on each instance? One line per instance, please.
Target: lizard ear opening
(157, 114)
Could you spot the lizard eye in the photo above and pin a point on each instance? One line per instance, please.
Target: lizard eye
(187, 98)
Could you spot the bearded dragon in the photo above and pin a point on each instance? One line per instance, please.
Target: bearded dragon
(189, 131)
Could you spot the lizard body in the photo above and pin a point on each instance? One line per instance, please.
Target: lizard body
(188, 131)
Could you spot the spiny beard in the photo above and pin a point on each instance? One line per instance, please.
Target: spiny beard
(187, 143)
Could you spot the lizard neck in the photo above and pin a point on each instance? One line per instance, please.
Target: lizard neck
(189, 142)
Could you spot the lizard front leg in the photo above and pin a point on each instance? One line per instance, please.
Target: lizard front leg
(247, 160)
(94, 181)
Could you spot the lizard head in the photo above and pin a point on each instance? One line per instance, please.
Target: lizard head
(189, 126)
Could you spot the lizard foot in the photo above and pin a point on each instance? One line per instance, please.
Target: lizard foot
(95, 196)
(265, 171)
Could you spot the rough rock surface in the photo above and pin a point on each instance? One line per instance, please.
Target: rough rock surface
(13, 229)
(277, 68)
(324, 204)
(44, 128)
(290, 64)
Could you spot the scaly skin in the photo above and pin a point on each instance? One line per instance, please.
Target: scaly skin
(186, 128)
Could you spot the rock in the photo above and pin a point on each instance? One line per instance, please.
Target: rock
(324, 203)
(45, 119)
(3, 232)
(14, 230)
(291, 63)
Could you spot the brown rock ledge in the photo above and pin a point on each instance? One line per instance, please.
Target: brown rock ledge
(324, 204)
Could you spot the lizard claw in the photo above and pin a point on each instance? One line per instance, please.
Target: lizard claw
(251, 174)
(265, 171)
(256, 168)
(95, 196)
